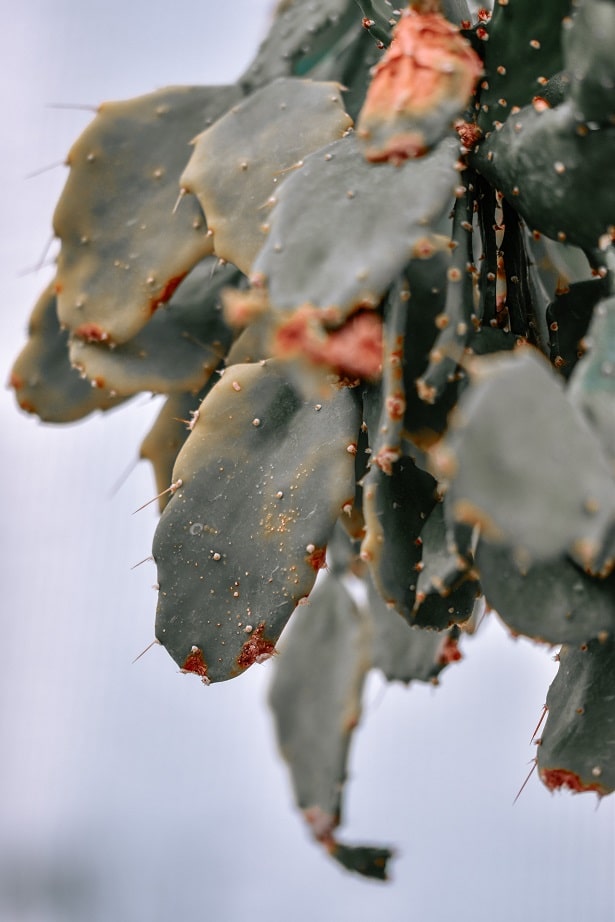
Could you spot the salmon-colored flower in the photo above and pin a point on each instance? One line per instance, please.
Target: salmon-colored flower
(423, 83)
(354, 350)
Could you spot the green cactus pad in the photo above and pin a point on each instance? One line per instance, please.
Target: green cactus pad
(524, 49)
(237, 163)
(447, 587)
(171, 428)
(404, 653)
(342, 214)
(316, 701)
(316, 694)
(42, 377)
(422, 291)
(557, 173)
(264, 475)
(395, 505)
(125, 247)
(592, 386)
(176, 351)
(568, 318)
(301, 35)
(588, 53)
(552, 601)
(577, 749)
(533, 477)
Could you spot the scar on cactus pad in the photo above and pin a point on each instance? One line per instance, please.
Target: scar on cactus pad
(385, 386)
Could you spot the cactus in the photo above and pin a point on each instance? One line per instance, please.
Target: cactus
(388, 355)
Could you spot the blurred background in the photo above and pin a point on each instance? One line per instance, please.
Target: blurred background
(130, 792)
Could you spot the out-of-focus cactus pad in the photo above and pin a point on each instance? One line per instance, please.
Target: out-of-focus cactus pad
(534, 479)
(42, 377)
(176, 351)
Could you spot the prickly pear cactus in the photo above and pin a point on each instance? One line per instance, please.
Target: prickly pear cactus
(389, 365)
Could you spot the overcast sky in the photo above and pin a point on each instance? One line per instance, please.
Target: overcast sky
(130, 792)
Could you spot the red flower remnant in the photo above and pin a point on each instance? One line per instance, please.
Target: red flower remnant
(425, 79)
(321, 824)
(449, 652)
(255, 650)
(555, 778)
(195, 663)
(167, 292)
(92, 333)
(469, 134)
(317, 558)
(243, 307)
(353, 350)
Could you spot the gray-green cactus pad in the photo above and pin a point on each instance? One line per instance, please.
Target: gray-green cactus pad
(125, 248)
(568, 317)
(525, 467)
(238, 162)
(176, 351)
(316, 694)
(552, 601)
(588, 50)
(302, 33)
(523, 51)
(404, 653)
(344, 216)
(577, 749)
(316, 701)
(558, 174)
(395, 506)
(42, 377)
(170, 430)
(262, 479)
(447, 587)
(592, 386)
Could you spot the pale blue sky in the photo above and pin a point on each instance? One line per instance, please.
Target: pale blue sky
(167, 797)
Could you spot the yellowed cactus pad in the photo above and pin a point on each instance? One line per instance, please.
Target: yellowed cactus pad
(125, 246)
(239, 161)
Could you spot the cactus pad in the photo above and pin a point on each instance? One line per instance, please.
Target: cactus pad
(497, 481)
(318, 221)
(125, 248)
(263, 477)
(176, 351)
(577, 749)
(237, 163)
(42, 377)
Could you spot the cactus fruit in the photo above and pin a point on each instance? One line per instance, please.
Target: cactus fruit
(403, 377)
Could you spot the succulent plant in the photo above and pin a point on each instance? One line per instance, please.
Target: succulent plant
(390, 392)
